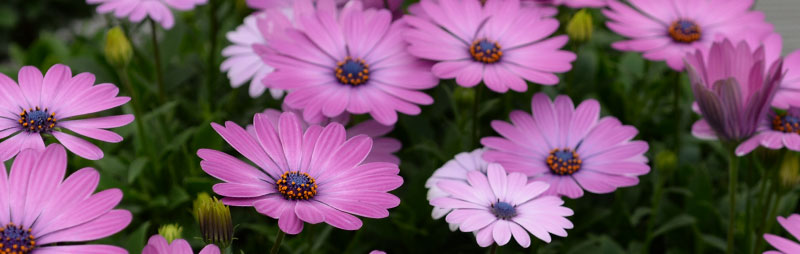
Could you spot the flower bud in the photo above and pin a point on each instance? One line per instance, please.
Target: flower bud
(118, 49)
(171, 232)
(666, 162)
(580, 27)
(214, 219)
(790, 170)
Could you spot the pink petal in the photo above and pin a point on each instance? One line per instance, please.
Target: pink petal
(79, 146)
(106, 225)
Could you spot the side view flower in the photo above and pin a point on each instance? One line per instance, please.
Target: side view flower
(572, 149)
(785, 246)
(137, 10)
(45, 105)
(498, 205)
(456, 169)
(242, 63)
(313, 176)
(158, 245)
(41, 212)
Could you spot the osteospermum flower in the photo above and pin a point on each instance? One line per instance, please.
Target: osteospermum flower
(353, 61)
(776, 131)
(243, 64)
(313, 176)
(455, 169)
(44, 105)
(497, 205)
(137, 10)
(548, 6)
(158, 245)
(568, 147)
(791, 224)
(789, 89)
(668, 30)
(734, 89)
(41, 212)
(499, 43)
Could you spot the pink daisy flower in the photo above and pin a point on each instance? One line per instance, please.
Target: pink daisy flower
(44, 105)
(497, 205)
(44, 213)
(454, 170)
(668, 30)
(383, 148)
(499, 43)
(269, 4)
(570, 3)
(789, 89)
(791, 224)
(353, 61)
(313, 176)
(242, 63)
(137, 10)
(570, 148)
(775, 131)
(158, 245)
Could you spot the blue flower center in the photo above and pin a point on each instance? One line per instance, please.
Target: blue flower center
(504, 210)
(684, 31)
(352, 71)
(485, 51)
(37, 120)
(786, 123)
(564, 161)
(294, 185)
(17, 240)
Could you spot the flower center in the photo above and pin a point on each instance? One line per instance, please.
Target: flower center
(37, 120)
(294, 185)
(504, 210)
(485, 51)
(16, 240)
(786, 123)
(563, 161)
(352, 71)
(684, 31)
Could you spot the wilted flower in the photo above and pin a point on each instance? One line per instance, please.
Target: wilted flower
(580, 26)
(170, 232)
(214, 219)
(786, 246)
(118, 49)
(158, 245)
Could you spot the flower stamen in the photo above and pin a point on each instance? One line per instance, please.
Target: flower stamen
(352, 71)
(786, 123)
(504, 210)
(564, 161)
(294, 185)
(485, 51)
(684, 31)
(15, 239)
(37, 120)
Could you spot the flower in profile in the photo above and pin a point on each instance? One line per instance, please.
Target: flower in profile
(214, 219)
(454, 170)
(242, 63)
(570, 148)
(362, 68)
(734, 88)
(500, 43)
(316, 175)
(137, 10)
(383, 148)
(668, 30)
(46, 105)
(159, 245)
(497, 205)
(43, 214)
(791, 224)
(776, 131)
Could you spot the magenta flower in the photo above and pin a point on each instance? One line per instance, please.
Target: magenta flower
(775, 131)
(313, 176)
(158, 245)
(791, 224)
(383, 148)
(269, 4)
(353, 61)
(243, 64)
(500, 43)
(733, 89)
(137, 10)
(570, 3)
(568, 147)
(377, 252)
(790, 86)
(40, 212)
(668, 30)
(43, 105)
(455, 170)
(497, 205)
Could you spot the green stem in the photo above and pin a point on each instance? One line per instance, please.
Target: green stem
(676, 110)
(475, 117)
(212, 55)
(157, 55)
(277, 246)
(769, 216)
(137, 113)
(747, 214)
(733, 164)
(656, 199)
(493, 249)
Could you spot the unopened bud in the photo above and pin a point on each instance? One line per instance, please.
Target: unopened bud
(580, 27)
(118, 49)
(666, 162)
(214, 219)
(171, 232)
(790, 170)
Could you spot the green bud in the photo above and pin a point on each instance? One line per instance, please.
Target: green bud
(790, 170)
(118, 49)
(171, 232)
(665, 162)
(580, 27)
(214, 219)
(464, 95)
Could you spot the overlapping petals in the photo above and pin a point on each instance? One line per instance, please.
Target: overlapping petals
(786, 246)
(242, 63)
(454, 170)
(158, 245)
(138, 10)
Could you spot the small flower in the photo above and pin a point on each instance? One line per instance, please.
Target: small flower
(455, 169)
(118, 49)
(570, 148)
(498, 205)
(46, 105)
(41, 212)
(171, 232)
(242, 63)
(316, 175)
(137, 10)
(775, 131)
(668, 30)
(214, 219)
(580, 26)
(791, 224)
(158, 245)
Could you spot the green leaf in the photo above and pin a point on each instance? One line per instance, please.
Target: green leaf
(676, 222)
(136, 169)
